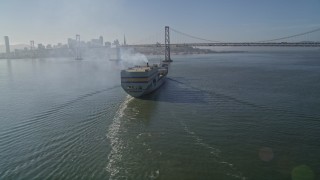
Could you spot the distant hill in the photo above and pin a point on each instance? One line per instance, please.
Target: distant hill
(12, 47)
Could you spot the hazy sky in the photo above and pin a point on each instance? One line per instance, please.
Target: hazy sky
(53, 21)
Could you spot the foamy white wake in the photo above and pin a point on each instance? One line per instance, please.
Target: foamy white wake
(233, 172)
(117, 144)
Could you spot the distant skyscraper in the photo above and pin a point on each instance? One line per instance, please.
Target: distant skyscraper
(6, 39)
(124, 40)
(101, 40)
(31, 45)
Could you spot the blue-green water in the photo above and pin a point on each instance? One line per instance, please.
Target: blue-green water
(219, 116)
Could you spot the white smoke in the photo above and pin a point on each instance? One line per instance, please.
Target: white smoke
(130, 58)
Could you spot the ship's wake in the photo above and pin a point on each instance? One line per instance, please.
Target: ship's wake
(131, 156)
(37, 119)
(229, 168)
(311, 118)
(117, 144)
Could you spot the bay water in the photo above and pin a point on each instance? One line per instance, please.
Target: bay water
(252, 115)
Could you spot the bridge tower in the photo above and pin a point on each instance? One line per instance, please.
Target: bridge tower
(78, 51)
(167, 45)
(32, 49)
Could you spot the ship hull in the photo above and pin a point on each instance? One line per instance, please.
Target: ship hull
(142, 92)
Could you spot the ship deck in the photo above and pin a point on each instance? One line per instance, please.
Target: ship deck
(139, 69)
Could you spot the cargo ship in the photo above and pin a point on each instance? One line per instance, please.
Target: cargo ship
(142, 80)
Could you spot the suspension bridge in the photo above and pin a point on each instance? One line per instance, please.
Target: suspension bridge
(305, 39)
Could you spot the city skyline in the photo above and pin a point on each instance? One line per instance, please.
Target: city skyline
(51, 22)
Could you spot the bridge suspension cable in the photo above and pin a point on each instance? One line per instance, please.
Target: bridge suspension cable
(292, 36)
(159, 43)
(154, 38)
(194, 37)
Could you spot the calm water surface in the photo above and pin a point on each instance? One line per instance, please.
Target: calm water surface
(219, 116)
